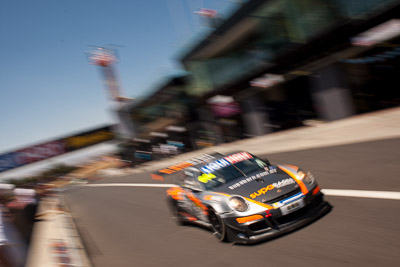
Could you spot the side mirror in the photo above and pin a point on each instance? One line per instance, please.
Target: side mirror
(266, 161)
(192, 186)
(196, 189)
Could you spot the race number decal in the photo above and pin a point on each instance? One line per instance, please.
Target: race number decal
(206, 177)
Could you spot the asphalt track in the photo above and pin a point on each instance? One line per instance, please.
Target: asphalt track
(131, 226)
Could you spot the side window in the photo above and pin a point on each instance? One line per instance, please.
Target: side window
(261, 163)
(190, 180)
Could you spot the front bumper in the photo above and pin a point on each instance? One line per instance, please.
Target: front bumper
(277, 224)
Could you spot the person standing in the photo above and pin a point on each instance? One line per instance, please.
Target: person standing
(12, 248)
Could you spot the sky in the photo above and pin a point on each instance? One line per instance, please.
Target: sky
(49, 90)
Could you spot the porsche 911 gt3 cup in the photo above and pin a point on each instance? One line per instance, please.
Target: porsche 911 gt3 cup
(243, 198)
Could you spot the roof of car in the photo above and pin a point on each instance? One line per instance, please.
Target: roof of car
(197, 162)
(218, 156)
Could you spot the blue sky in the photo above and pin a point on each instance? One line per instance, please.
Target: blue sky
(47, 87)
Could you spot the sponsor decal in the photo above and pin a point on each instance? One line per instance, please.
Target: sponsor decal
(186, 164)
(226, 161)
(288, 200)
(206, 177)
(270, 169)
(201, 159)
(238, 157)
(279, 184)
(216, 165)
(247, 180)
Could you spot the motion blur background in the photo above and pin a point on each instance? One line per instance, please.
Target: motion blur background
(248, 69)
(179, 76)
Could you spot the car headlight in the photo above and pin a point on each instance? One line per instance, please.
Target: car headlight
(305, 176)
(238, 203)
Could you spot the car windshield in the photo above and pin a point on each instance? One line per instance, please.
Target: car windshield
(232, 172)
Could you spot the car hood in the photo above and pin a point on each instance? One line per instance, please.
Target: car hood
(261, 186)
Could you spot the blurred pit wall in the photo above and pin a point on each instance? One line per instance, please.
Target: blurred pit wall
(331, 95)
(282, 63)
(302, 59)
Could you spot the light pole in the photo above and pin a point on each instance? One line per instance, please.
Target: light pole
(105, 59)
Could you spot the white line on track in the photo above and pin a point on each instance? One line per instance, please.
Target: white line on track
(133, 185)
(362, 193)
(328, 192)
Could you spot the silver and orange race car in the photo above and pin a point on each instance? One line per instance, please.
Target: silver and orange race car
(243, 198)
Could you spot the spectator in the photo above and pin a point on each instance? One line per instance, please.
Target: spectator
(23, 208)
(12, 248)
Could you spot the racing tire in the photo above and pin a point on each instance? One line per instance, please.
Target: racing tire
(218, 227)
(176, 216)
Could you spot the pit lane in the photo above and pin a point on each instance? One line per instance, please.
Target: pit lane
(131, 226)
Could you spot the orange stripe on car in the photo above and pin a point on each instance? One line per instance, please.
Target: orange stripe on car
(292, 166)
(207, 197)
(188, 216)
(195, 200)
(249, 218)
(175, 193)
(260, 203)
(303, 187)
(316, 190)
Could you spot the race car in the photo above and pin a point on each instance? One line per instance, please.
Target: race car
(243, 198)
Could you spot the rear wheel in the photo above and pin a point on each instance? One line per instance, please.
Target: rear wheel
(218, 226)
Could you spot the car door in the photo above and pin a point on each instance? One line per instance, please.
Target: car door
(193, 191)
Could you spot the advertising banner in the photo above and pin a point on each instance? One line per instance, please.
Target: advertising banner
(54, 148)
(88, 138)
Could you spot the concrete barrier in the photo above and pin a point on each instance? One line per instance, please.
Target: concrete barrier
(55, 240)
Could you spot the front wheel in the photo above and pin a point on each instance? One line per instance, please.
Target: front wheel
(218, 226)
